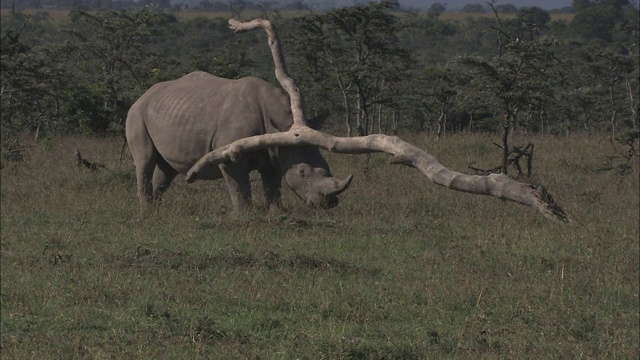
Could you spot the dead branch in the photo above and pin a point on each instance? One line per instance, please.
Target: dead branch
(480, 171)
(280, 66)
(513, 158)
(93, 166)
(498, 185)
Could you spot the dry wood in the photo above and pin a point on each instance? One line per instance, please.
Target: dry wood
(93, 166)
(498, 185)
(513, 158)
(281, 67)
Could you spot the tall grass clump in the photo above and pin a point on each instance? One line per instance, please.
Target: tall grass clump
(401, 269)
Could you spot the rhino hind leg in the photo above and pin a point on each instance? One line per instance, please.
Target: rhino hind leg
(271, 182)
(237, 178)
(145, 160)
(144, 154)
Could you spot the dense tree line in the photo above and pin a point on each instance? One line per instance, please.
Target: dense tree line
(371, 69)
(200, 5)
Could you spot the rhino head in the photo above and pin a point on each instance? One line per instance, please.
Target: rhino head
(307, 174)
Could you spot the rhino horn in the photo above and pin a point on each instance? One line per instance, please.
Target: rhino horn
(332, 187)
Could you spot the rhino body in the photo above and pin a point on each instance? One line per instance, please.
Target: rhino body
(172, 125)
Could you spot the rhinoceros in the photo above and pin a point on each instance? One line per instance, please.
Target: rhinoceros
(175, 123)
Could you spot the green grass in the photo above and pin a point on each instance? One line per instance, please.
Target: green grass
(401, 269)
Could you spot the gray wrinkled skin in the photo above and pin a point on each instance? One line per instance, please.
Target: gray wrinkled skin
(177, 122)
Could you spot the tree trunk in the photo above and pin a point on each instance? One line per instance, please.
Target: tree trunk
(632, 105)
(394, 122)
(377, 119)
(361, 114)
(441, 120)
(505, 148)
(347, 110)
(614, 113)
(345, 99)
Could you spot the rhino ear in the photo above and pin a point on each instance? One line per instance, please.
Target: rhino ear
(317, 121)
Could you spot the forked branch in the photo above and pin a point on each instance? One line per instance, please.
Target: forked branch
(281, 67)
(497, 185)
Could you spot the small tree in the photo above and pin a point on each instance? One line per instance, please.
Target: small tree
(357, 48)
(436, 9)
(440, 84)
(113, 65)
(518, 80)
(534, 20)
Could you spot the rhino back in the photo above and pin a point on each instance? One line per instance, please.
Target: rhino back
(188, 117)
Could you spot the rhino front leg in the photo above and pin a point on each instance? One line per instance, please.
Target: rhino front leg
(237, 178)
(163, 175)
(271, 182)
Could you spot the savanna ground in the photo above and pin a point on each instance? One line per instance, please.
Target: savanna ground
(402, 269)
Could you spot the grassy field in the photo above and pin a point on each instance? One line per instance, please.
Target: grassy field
(402, 269)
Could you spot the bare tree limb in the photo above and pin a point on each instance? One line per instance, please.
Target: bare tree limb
(497, 185)
(281, 67)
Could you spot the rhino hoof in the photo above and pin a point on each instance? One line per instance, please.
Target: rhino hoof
(191, 177)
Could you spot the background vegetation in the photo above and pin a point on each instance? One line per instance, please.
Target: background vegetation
(401, 269)
(376, 68)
